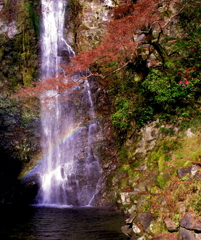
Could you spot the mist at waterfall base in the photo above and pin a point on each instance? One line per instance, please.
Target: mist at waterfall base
(44, 223)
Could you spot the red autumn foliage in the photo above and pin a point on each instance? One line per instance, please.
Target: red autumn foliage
(118, 46)
(119, 43)
(123, 11)
(56, 85)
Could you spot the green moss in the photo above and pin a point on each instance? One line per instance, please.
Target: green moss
(161, 163)
(27, 76)
(125, 167)
(155, 154)
(18, 56)
(123, 154)
(154, 189)
(158, 227)
(124, 183)
(163, 179)
(34, 16)
(146, 206)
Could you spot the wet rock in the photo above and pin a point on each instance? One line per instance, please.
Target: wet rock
(131, 228)
(19, 135)
(106, 165)
(27, 189)
(134, 237)
(139, 225)
(90, 27)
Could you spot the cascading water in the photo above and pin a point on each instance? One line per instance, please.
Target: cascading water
(70, 170)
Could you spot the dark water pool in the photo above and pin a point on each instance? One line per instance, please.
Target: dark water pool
(28, 223)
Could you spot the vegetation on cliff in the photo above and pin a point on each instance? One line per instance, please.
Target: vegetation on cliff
(149, 60)
(149, 63)
(19, 27)
(161, 82)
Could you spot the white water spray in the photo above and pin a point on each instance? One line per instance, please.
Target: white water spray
(70, 170)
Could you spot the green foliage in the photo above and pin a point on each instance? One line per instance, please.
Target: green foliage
(193, 123)
(167, 131)
(163, 93)
(120, 118)
(34, 15)
(168, 91)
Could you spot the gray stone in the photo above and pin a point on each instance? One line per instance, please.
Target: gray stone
(191, 222)
(148, 140)
(127, 230)
(194, 170)
(136, 229)
(141, 168)
(197, 236)
(130, 220)
(189, 133)
(182, 172)
(134, 237)
(185, 234)
(164, 236)
(145, 219)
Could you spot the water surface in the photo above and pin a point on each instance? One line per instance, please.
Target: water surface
(31, 223)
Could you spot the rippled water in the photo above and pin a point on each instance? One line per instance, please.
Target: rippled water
(28, 223)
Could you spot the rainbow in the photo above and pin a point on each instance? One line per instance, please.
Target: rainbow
(32, 165)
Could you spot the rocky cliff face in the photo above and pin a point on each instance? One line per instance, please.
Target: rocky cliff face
(85, 25)
(86, 22)
(19, 122)
(154, 181)
(154, 177)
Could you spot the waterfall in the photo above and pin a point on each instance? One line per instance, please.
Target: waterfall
(70, 169)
